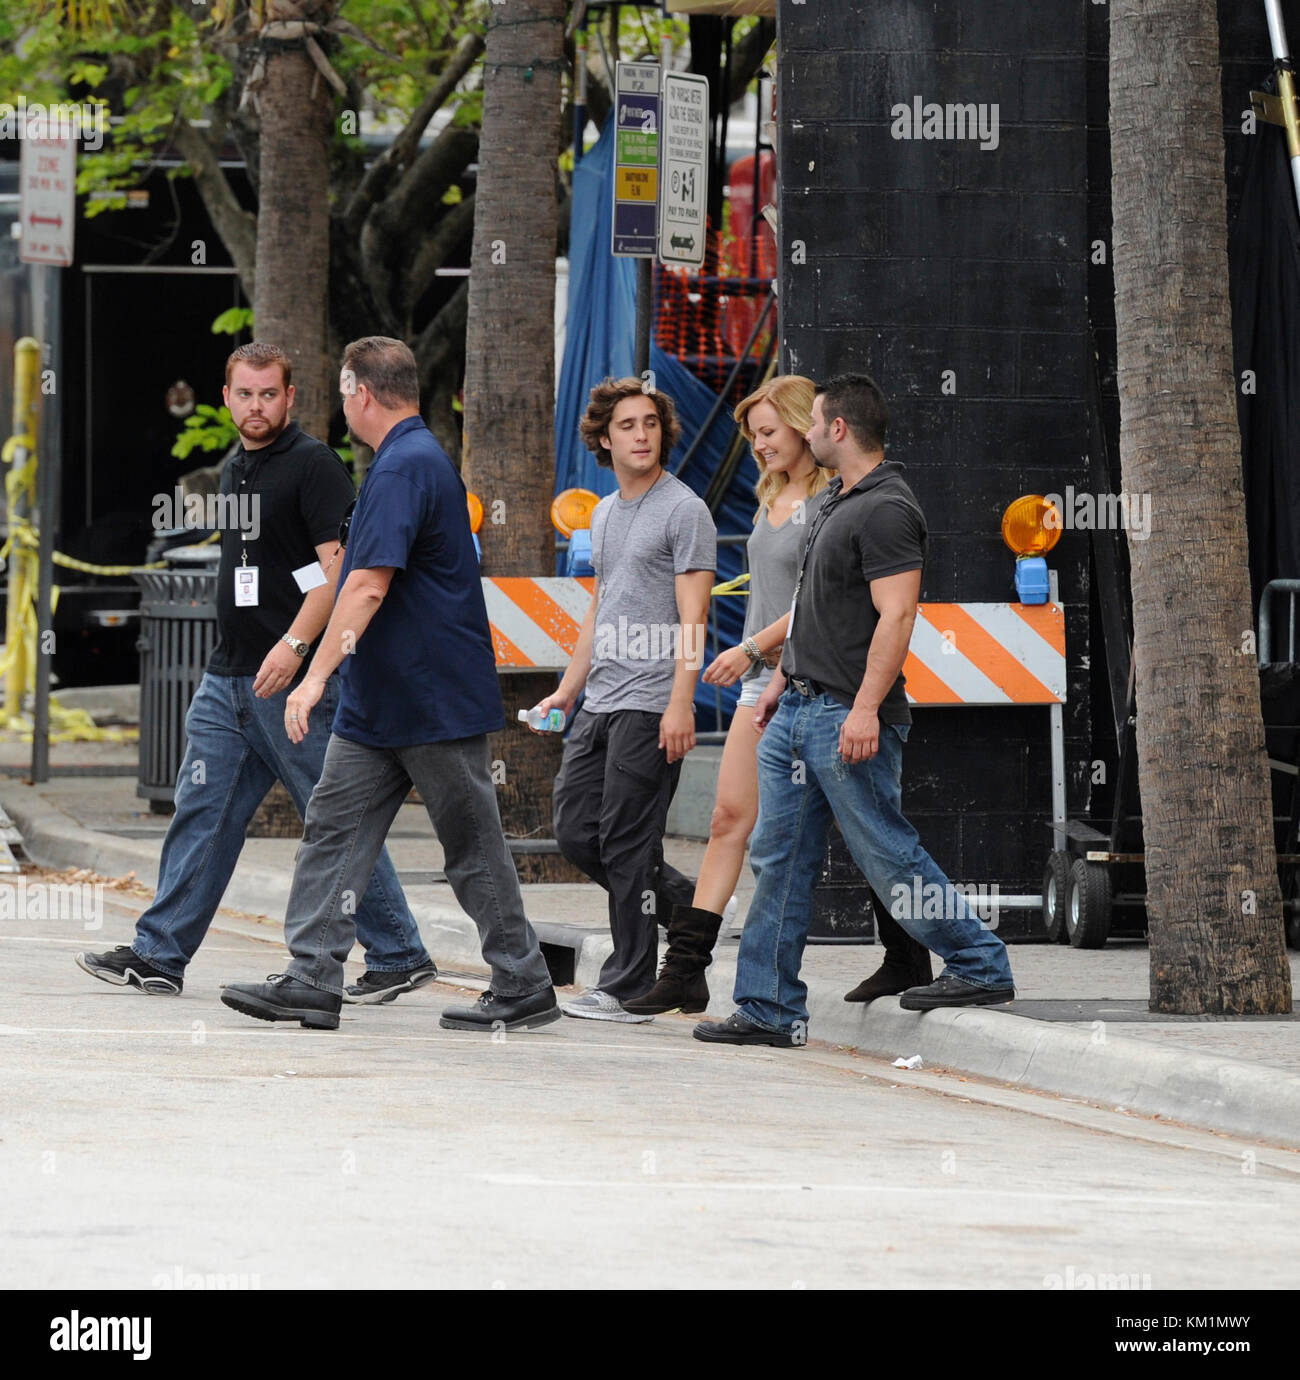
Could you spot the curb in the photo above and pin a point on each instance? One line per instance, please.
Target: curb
(1215, 1093)
(53, 839)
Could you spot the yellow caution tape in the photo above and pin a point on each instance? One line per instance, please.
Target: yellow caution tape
(732, 586)
(29, 539)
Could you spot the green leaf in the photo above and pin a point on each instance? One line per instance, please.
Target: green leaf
(233, 320)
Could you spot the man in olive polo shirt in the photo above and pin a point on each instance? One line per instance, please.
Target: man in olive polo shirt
(834, 746)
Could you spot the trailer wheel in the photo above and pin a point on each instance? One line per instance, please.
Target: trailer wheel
(1087, 909)
(1056, 887)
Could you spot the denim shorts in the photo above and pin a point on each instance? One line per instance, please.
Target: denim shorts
(752, 688)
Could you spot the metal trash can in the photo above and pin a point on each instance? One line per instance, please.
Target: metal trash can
(178, 631)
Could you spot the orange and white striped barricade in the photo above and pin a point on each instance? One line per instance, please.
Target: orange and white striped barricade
(995, 654)
(966, 655)
(536, 620)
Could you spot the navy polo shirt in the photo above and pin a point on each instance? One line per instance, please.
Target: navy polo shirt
(424, 670)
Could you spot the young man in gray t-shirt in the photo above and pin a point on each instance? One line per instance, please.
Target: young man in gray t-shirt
(654, 549)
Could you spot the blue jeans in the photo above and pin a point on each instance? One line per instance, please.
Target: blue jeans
(236, 750)
(802, 782)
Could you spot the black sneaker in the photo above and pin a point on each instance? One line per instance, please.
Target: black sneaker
(954, 991)
(123, 967)
(493, 1012)
(375, 987)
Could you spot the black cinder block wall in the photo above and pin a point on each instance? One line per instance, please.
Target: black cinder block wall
(957, 275)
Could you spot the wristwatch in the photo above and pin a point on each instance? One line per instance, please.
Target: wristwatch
(300, 648)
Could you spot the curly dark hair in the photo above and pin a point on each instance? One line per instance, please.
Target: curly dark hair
(605, 397)
(258, 354)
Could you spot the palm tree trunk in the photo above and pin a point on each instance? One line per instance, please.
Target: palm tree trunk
(509, 445)
(292, 275)
(1212, 890)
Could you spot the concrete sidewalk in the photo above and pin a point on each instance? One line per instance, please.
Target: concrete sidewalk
(1079, 1027)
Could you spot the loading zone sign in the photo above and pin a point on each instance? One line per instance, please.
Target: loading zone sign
(684, 198)
(48, 187)
(636, 159)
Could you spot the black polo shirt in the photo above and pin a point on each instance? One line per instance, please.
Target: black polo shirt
(301, 490)
(874, 529)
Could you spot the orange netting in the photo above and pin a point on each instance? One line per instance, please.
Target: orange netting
(706, 318)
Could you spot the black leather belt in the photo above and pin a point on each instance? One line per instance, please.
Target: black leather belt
(808, 688)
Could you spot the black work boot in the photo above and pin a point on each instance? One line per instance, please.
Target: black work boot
(907, 963)
(681, 987)
(285, 998)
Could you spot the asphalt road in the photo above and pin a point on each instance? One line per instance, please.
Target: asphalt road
(149, 1140)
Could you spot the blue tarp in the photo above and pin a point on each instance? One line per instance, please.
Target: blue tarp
(599, 343)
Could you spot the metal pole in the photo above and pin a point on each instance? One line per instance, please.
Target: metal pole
(1056, 716)
(644, 314)
(579, 88)
(48, 469)
(1285, 69)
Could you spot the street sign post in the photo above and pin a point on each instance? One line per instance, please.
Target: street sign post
(47, 181)
(684, 196)
(48, 190)
(636, 159)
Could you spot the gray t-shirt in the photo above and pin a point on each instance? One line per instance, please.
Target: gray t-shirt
(774, 557)
(638, 549)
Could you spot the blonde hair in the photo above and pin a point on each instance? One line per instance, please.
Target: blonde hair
(792, 397)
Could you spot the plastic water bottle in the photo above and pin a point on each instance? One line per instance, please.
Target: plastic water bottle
(544, 721)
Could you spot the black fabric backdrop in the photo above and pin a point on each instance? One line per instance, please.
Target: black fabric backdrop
(1264, 269)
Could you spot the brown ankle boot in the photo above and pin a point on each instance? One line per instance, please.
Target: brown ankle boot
(907, 962)
(681, 987)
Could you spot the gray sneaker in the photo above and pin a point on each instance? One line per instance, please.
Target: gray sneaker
(595, 1005)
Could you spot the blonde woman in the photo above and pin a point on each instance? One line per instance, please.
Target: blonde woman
(790, 489)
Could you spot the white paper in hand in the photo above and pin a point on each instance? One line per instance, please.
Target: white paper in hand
(309, 577)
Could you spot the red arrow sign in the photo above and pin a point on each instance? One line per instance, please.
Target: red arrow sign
(56, 221)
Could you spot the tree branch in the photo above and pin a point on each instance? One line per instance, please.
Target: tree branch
(387, 231)
(442, 337)
(237, 227)
(747, 57)
(439, 357)
(398, 156)
(435, 249)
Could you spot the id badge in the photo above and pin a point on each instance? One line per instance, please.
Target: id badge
(245, 586)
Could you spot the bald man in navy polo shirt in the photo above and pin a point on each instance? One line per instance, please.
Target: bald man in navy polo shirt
(419, 695)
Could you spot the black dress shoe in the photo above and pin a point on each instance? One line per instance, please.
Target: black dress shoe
(285, 998)
(953, 991)
(493, 1012)
(736, 1030)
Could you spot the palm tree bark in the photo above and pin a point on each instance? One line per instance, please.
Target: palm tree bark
(509, 445)
(293, 230)
(1212, 889)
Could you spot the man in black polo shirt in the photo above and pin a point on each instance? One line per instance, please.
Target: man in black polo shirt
(287, 494)
(835, 744)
